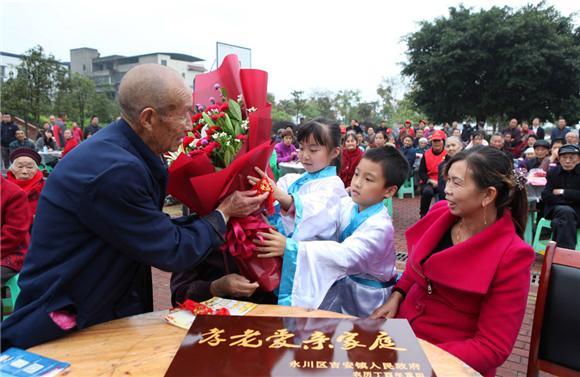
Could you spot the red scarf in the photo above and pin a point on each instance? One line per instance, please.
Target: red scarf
(349, 162)
(32, 187)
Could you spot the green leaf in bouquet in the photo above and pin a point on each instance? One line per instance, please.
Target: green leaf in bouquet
(208, 120)
(235, 109)
(228, 156)
(232, 127)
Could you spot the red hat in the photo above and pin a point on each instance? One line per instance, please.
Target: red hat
(407, 121)
(438, 135)
(342, 129)
(27, 152)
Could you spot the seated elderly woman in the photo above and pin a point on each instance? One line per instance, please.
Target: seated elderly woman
(24, 173)
(466, 282)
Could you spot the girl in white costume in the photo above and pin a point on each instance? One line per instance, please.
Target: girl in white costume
(308, 204)
(356, 271)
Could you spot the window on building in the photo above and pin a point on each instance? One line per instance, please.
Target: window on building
(163, 62)
(84, 68)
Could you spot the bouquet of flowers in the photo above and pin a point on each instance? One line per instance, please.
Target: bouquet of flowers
(230, 137)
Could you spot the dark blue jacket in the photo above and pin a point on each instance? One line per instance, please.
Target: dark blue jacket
(98, 228)
(410, 155)
(8, 133)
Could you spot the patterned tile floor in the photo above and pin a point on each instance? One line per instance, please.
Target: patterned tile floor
(406, 213)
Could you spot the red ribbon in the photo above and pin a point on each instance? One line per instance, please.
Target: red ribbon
(241, 233)
(200, 309)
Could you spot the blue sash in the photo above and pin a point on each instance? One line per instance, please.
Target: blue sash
(328, 171)
(357, 218)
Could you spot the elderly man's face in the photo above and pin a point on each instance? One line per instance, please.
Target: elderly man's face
(496, 142)
(561, 123)
(20, 135)
(513, 123)
(24, 168)
(571, 138)
(541, 152)
(52, 119)
(67, 135)
(170, 128)
(569, 161)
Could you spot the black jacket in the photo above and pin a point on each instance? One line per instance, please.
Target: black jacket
(559, 178)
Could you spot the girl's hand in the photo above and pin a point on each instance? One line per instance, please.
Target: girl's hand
(273, 245)
(279, 194)
(390, 308)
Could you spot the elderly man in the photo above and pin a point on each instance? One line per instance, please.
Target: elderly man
(21, 142)
(429, 170)
(8, 136)
(561, 197)
(560, 131)
(99, 225)
(497, 141)
(516, 133)
(572, 137)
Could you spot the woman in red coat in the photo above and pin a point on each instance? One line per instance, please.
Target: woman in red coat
(14, 236)
(25, 174)
(466, 282)
(351, 156)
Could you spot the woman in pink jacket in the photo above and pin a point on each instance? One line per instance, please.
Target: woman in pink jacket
(466, 282)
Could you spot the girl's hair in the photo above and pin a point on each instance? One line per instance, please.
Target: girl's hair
(323, 130)
(491, 167)
(350, 134)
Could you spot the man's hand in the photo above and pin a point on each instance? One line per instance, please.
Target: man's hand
(273, 245)
(558, 191)
(433, 183)
(233, 285)
(241, 204)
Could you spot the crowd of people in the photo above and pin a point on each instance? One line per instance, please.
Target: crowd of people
(330, 227)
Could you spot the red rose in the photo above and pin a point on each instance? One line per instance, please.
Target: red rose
(215, 117)
(187, 140)
(224, 106)
(196, 117)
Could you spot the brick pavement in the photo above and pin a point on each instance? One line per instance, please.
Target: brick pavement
(405, 214)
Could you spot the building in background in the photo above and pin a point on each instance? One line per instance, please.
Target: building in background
(9, 63)
(107, 71)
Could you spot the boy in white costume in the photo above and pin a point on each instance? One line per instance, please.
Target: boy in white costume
(355, 272)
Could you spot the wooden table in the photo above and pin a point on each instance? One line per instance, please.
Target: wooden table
(144, 345)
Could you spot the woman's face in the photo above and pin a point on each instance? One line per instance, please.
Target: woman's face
(463, 196)
(24, 168)
(380, 140)
(452, 147)
(350, 143)
(288, 140)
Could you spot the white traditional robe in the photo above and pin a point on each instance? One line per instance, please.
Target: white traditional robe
(314, 215)
(354, 276)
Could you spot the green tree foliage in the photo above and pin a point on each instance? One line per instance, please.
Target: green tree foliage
(496, 63)
(33, 90)
(44, 86)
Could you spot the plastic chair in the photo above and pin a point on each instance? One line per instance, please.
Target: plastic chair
(389, 204)
(274, 165)
(407, 188)
(9, 303)
(539, 245)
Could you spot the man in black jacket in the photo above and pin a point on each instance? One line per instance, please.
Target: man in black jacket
(8, 136)
(561, 197)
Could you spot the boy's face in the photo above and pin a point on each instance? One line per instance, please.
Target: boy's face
(368, 184)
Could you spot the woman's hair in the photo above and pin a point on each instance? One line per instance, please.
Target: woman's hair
(324, 132)
(350, 134)
(287, 132)
(490, 167)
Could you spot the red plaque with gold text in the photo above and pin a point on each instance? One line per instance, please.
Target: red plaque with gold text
(275, 346)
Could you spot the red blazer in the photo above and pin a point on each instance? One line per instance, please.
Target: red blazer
(479, 289)
(16, 220)
(350, 160)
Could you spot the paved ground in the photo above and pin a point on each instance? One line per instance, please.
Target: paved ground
(406, 213)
